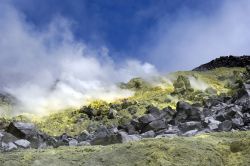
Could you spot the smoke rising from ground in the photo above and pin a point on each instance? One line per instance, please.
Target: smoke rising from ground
(47, 69)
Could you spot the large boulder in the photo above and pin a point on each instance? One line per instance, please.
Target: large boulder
(226, 125)
(136, 124)
(227, 112)
(211, 123)
(168, 114)
(105, 136)
(186, 112)
(154, 119)
(29, 132)
(233, 111)
(22, 130)
(155, 125)
(238, 122)
(7, 137)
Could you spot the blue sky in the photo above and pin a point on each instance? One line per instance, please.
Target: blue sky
(169, 34)
(121, 25)
(63, 53)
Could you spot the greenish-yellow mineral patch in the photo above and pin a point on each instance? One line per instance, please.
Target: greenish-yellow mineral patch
(216, 149)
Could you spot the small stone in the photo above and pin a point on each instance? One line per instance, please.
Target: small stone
(73, 142)
(83, 136)
(148, 134)
(84, 143)
(128, 138)
(166, 135)
(190, 133)
(22, 143)
(112, 113)
(9, 146)
(213, 126)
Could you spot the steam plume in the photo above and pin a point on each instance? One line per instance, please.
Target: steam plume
(48, 69)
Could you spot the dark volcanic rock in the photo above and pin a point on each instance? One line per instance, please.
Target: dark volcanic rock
(8, 146)
(7, 137)
(22, 130)
(226, 125)
(168, 114)
(137, 125)
(246, 118)
(148, 134)
(89, 111)
(186, 112)
(112, 114)
(22, 143)
(238, 122)
(129, 128)
(63, 140)
(153, 110)
(146, 119)
(124, 137)
(84, 136)
(73, 142)
(190, 133)
(104, 136)
(211, 123)
(29, 132)
(171, 130)
(192, 125)
(225, 61)
(155, 125)
(211, 102)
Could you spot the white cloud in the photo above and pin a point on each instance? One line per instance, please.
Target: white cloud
(47, 69)
(195, 38)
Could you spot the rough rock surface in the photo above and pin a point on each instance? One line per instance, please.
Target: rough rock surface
(220, 113)
(225, 61)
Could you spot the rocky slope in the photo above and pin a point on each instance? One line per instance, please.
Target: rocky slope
(161, 124)
(225, 61)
